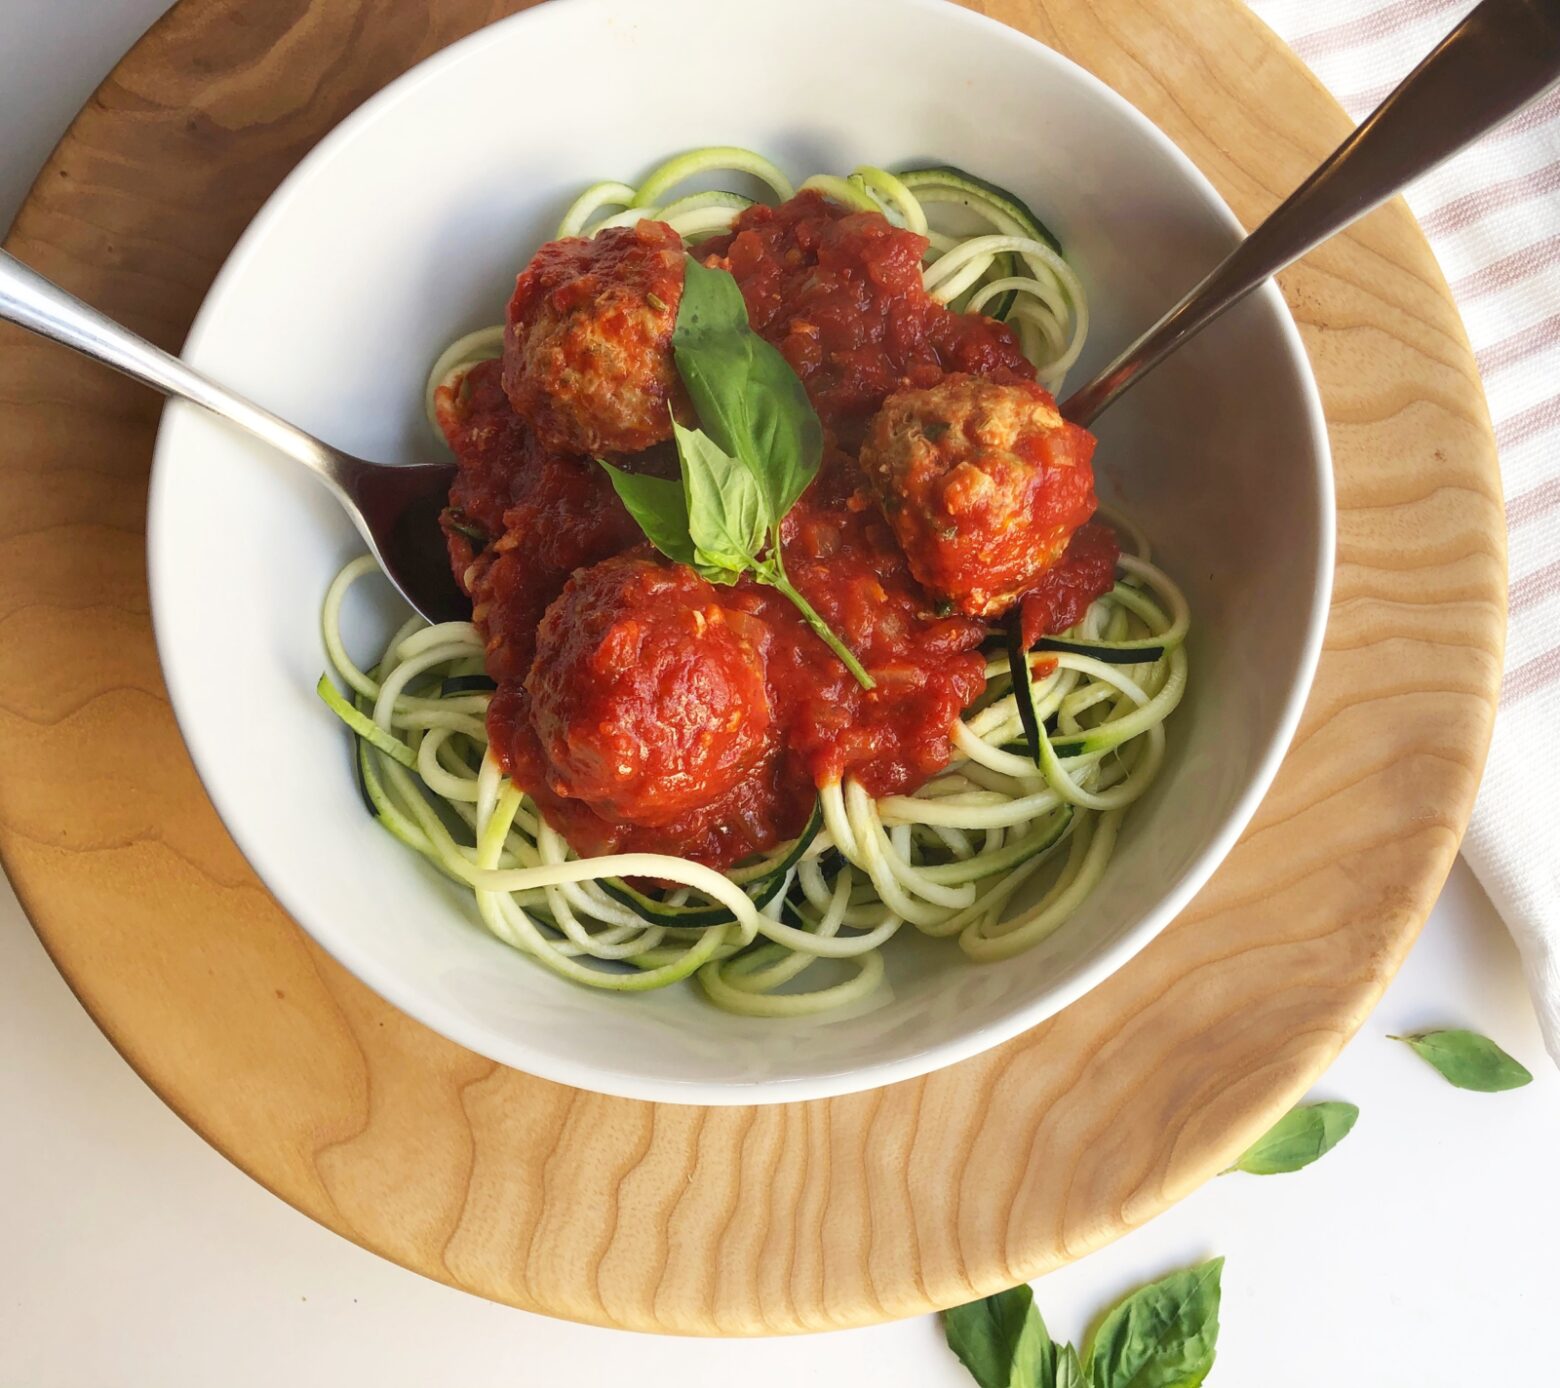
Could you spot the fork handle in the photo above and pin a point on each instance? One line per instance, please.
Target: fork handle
(1502, 55)
(31, 301)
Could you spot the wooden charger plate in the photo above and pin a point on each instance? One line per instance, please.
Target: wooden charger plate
(722, 1221)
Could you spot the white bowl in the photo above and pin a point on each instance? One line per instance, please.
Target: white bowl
(406, 226)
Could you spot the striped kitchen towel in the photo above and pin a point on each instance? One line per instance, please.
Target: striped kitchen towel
(1493, 217)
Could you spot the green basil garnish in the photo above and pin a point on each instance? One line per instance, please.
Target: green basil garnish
(727, 517)
(1002, 1341)
(1469, 1061)
(1162, 1336)
(746, 395)
(1299, 1138)
(1069, 1372)
(759, 446)
(658, 507)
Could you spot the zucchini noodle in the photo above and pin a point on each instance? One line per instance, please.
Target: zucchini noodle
(1013, 817)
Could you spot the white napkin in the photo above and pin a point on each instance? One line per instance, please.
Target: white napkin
(1493, 217)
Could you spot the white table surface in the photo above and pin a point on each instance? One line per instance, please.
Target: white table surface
(1421, 1252)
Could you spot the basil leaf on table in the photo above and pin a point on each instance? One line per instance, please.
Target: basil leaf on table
(1002, 1341)
(1162, 1336)
(1468, 1060)
(727, 516)
(1299, 1138)
(1069, 1372)
(659, 508)
(747, 397)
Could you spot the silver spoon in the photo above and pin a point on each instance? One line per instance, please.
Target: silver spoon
(1505, 53)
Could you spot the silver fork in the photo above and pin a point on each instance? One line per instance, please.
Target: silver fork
(1503, 55)
(394, 506)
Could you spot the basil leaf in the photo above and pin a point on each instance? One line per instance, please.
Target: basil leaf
(1001, 1340)
(1069, 1372)
(1469, 1061)
(758, 448)
(1034, 1361)
(747, 397)
(658, 508)
(1299, 1138)
(726, 516)
(1161, 1336)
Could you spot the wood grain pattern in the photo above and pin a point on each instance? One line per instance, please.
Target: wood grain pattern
(680, 1219)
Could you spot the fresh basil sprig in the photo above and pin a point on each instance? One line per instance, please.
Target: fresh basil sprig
(1468, 1060)
(1002, 1341)
(746, 395)
(759, 447)
(1300, 1137)
(1162, 1336)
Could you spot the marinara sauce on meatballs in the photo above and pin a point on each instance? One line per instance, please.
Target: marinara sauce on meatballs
(588, 340)
(640, 708)
(647, 696)
(983, 483)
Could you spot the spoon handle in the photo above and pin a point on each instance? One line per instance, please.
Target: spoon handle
(36, 303)
(1502, 55)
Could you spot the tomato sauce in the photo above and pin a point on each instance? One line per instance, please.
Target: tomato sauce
(521, 519)
(840, 295)
(1086, 569)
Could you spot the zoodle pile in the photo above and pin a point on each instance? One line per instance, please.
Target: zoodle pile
(996, 850)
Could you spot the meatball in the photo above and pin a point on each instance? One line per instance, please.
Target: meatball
(983, 484)
(588, 342)
(648, 697)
